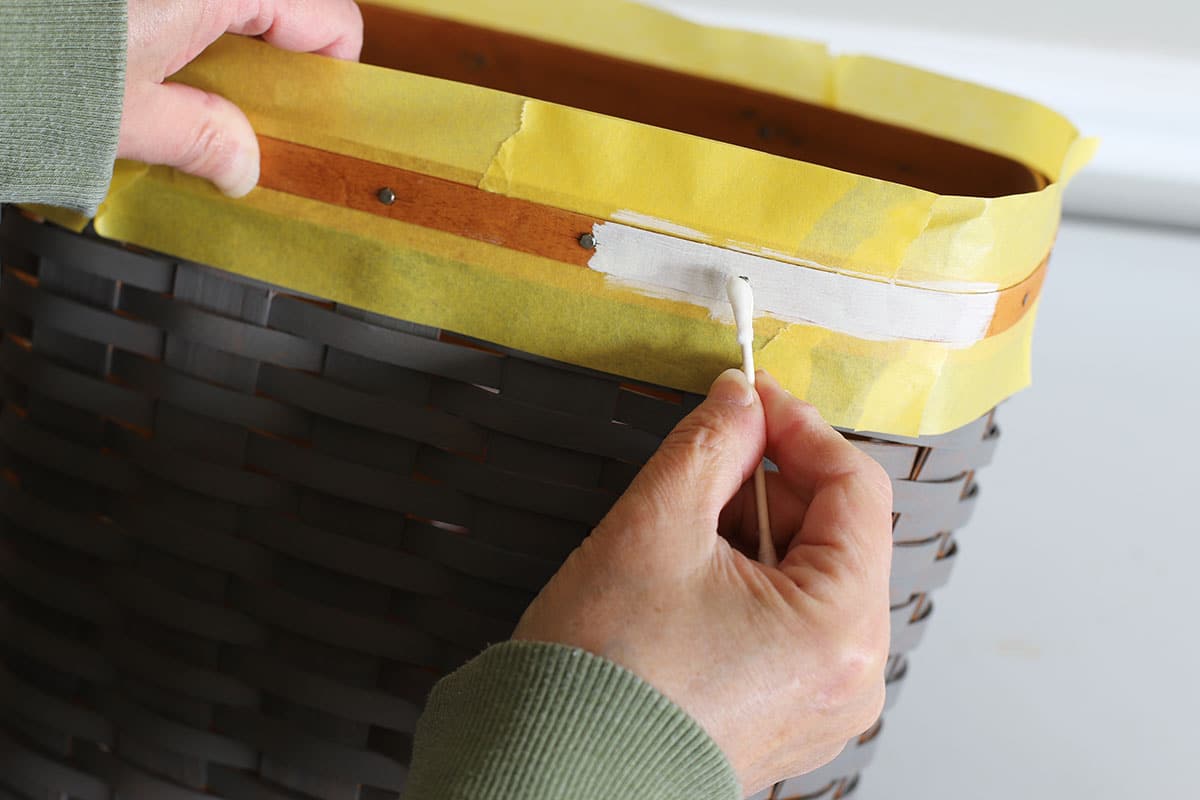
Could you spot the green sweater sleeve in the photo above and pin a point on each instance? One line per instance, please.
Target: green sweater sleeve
(539, 721)
(62, 84)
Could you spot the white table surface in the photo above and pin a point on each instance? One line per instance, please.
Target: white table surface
(1063, 659)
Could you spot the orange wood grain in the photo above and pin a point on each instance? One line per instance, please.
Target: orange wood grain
(1016, 301)
(425, 200)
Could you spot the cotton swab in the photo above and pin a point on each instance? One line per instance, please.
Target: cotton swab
(741, 297)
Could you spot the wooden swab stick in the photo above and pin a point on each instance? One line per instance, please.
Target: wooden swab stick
(741, 297)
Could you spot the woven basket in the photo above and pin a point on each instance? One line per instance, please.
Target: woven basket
(244, 529)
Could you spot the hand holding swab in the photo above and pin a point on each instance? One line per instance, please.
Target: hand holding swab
(741, 297)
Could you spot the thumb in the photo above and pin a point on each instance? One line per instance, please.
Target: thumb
(195, 131)
(677, 497)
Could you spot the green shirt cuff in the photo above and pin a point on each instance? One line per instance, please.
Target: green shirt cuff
(538, 721)
(62, 87)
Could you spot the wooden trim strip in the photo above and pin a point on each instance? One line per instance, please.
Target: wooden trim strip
(473, 213)
(1014, 303)
(424, 200)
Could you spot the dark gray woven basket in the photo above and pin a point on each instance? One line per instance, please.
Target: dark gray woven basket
(243, 532)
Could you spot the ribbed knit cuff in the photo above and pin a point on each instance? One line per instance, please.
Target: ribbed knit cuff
(538, 721)
(62, 86)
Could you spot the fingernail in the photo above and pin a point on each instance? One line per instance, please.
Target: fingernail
(732, 387)
(244, 175)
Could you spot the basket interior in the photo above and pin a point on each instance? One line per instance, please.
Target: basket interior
(686, 103)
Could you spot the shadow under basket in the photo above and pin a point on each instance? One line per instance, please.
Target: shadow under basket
(243, 532)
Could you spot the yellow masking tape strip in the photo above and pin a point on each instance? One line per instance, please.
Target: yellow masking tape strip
(71, 220)
(608, 168)
(871, 87)
(450, 130)
(751, 200)
(561, 312)
(952, 109)
(601, 165)
(907, 388)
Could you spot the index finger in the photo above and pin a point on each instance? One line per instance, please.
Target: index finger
(328, 27)
(849, 495)
(807, 450)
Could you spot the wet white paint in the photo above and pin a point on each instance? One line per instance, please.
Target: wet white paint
(678, 269)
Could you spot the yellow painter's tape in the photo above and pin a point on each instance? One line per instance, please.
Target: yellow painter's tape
(570, 314)
(730, 195)
(606, 167)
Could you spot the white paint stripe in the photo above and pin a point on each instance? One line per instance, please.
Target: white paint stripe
(678, 269)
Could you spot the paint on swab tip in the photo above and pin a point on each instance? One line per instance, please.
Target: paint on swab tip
(741, 297)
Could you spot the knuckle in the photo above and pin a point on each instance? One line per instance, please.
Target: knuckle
(853, 675)
(697, 442)
(794, 428)
(250, 12)
(699, 431)
(210, 149)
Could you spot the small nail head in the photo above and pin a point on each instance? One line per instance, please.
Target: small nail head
(386, 196)
(587, 241)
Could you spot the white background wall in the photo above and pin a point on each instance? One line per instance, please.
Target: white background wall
(1063, 660)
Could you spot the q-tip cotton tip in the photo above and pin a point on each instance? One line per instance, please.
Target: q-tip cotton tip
(741, 297)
